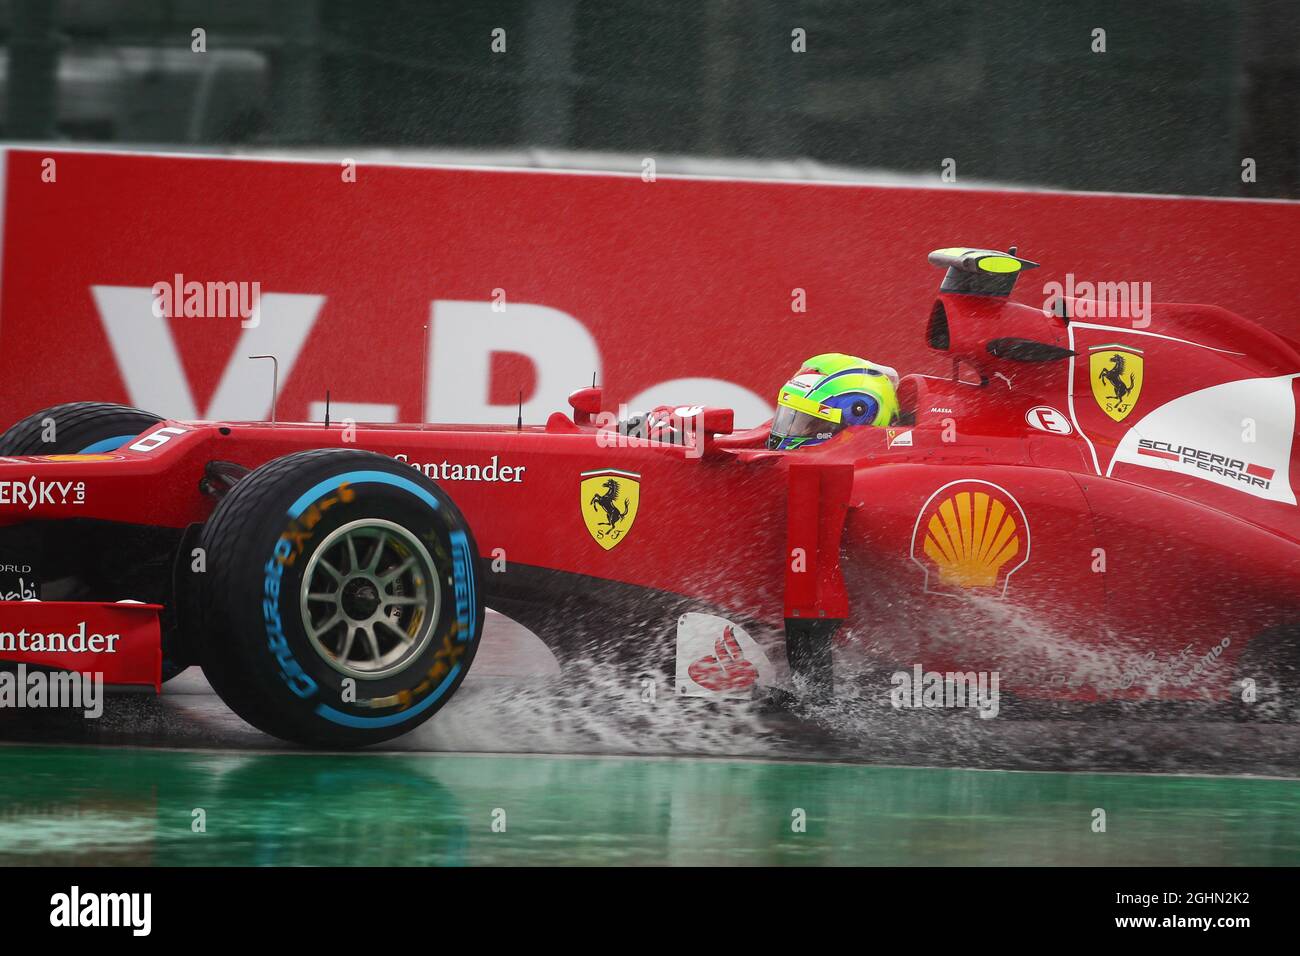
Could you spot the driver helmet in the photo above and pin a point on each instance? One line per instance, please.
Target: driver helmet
(828, 393)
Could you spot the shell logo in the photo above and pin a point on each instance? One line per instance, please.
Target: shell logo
(970, 534)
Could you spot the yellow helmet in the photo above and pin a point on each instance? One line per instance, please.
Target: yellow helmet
(830, 392)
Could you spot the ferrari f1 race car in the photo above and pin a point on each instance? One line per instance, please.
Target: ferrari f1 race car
(1092, 510)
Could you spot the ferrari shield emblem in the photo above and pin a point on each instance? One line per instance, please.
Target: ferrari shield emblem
(609, 501)
(1116, 372)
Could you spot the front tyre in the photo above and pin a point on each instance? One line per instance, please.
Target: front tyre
(341, 604)
(76, 428)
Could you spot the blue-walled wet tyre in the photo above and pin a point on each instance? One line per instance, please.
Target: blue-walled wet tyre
(341, 603)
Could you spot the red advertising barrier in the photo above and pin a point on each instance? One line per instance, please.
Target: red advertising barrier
(119, 641)
(678, 290)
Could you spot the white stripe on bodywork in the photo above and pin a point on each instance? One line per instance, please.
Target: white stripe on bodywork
(1069, 397)
(1212, 419)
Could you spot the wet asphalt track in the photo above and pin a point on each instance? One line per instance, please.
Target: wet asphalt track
(513, 701)
(122, 789)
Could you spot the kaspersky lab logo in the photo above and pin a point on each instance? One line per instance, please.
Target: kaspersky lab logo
(30, 493)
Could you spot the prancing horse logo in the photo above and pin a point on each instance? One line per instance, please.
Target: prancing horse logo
(609, 504)
(1116, 378)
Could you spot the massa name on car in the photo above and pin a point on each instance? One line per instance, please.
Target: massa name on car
(446, 470)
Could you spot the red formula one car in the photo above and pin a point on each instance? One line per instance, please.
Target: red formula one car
(1093, 510)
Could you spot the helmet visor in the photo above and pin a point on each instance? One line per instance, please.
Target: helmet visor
(791, 428)
(801, 421)
(792, 423)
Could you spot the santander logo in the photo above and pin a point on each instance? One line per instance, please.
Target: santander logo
(727, 668)
(716, 658)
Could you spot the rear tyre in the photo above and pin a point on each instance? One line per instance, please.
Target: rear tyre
(341, 603)
(76, 428)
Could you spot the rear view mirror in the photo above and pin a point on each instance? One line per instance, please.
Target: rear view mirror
(718, 421)
(586, 403)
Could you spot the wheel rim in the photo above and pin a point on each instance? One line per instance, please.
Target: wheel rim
(370, 598)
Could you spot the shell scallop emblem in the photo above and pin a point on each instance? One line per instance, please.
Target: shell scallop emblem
(970, 534)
